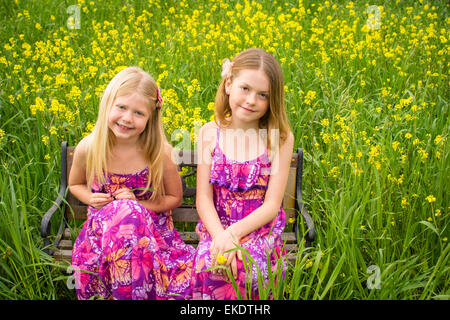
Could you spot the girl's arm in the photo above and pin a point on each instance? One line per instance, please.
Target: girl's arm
(204, 198)
(173, 196)
(274, 194)
(226, 239)
(78, 182)
(221, 240)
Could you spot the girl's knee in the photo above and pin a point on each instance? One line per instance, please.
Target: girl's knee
(129, 203)
(127, 208)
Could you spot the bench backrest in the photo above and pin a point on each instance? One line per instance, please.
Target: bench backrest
(187, 211)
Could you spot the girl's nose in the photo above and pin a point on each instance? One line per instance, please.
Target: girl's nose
(127, 116)
(251, 97)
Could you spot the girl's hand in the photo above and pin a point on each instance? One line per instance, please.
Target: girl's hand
(98, 200)
(124, 193)
(222, 242)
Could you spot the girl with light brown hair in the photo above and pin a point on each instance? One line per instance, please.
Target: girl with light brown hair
(244, 159)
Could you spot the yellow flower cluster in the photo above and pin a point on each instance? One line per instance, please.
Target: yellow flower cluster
(364, 98)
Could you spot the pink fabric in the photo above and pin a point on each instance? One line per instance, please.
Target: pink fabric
(130, 252)
(239, 188)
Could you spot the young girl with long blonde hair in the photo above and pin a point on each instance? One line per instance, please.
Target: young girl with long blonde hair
(244, 159)
(128, 247)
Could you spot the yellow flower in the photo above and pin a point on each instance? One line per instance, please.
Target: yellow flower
(221, 259)
(408, 135)
(430, 198)
(334, 172)
(404, 202)
(395, 145)
(310, 95)
(438, 139)
(39, 106)
(45, 139)
(326, 138)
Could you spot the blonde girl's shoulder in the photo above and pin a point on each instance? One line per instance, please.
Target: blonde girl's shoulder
(80, 155)
(81, 147)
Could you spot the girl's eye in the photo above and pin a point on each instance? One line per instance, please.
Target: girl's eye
(244, 88)
(264, 96)
(120, 107)
(139, 113)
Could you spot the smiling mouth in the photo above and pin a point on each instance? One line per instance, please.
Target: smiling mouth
(248, 110)
(123, 127)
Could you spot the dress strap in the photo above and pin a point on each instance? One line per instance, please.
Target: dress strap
(218, 137)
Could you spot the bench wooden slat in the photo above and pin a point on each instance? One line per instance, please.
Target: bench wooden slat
(65, 244)
(185, 214)
(191, 237)
(63, 255)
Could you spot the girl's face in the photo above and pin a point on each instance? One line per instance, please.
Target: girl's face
(129, 116)
(248, 97)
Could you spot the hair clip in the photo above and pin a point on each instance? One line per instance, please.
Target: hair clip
(226, 67)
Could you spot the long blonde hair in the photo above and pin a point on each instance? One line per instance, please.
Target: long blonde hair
(275, 117)
(152, 139)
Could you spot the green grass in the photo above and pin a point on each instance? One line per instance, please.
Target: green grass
(368, 106)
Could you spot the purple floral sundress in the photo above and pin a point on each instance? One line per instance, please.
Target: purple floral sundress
(238, 189)
(125, 251)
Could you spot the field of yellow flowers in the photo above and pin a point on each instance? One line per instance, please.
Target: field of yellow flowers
(367, 95)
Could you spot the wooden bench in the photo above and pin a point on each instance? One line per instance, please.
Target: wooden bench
(61, 249)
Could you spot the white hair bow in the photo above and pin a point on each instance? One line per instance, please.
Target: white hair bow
(226, 67)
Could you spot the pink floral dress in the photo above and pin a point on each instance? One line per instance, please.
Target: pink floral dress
(125, 251)
(238, 189)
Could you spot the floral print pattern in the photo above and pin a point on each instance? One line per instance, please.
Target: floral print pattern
(125, 251)
(238, 189)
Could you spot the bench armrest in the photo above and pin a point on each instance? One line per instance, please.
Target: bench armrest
(309, 237)
(45, 222)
